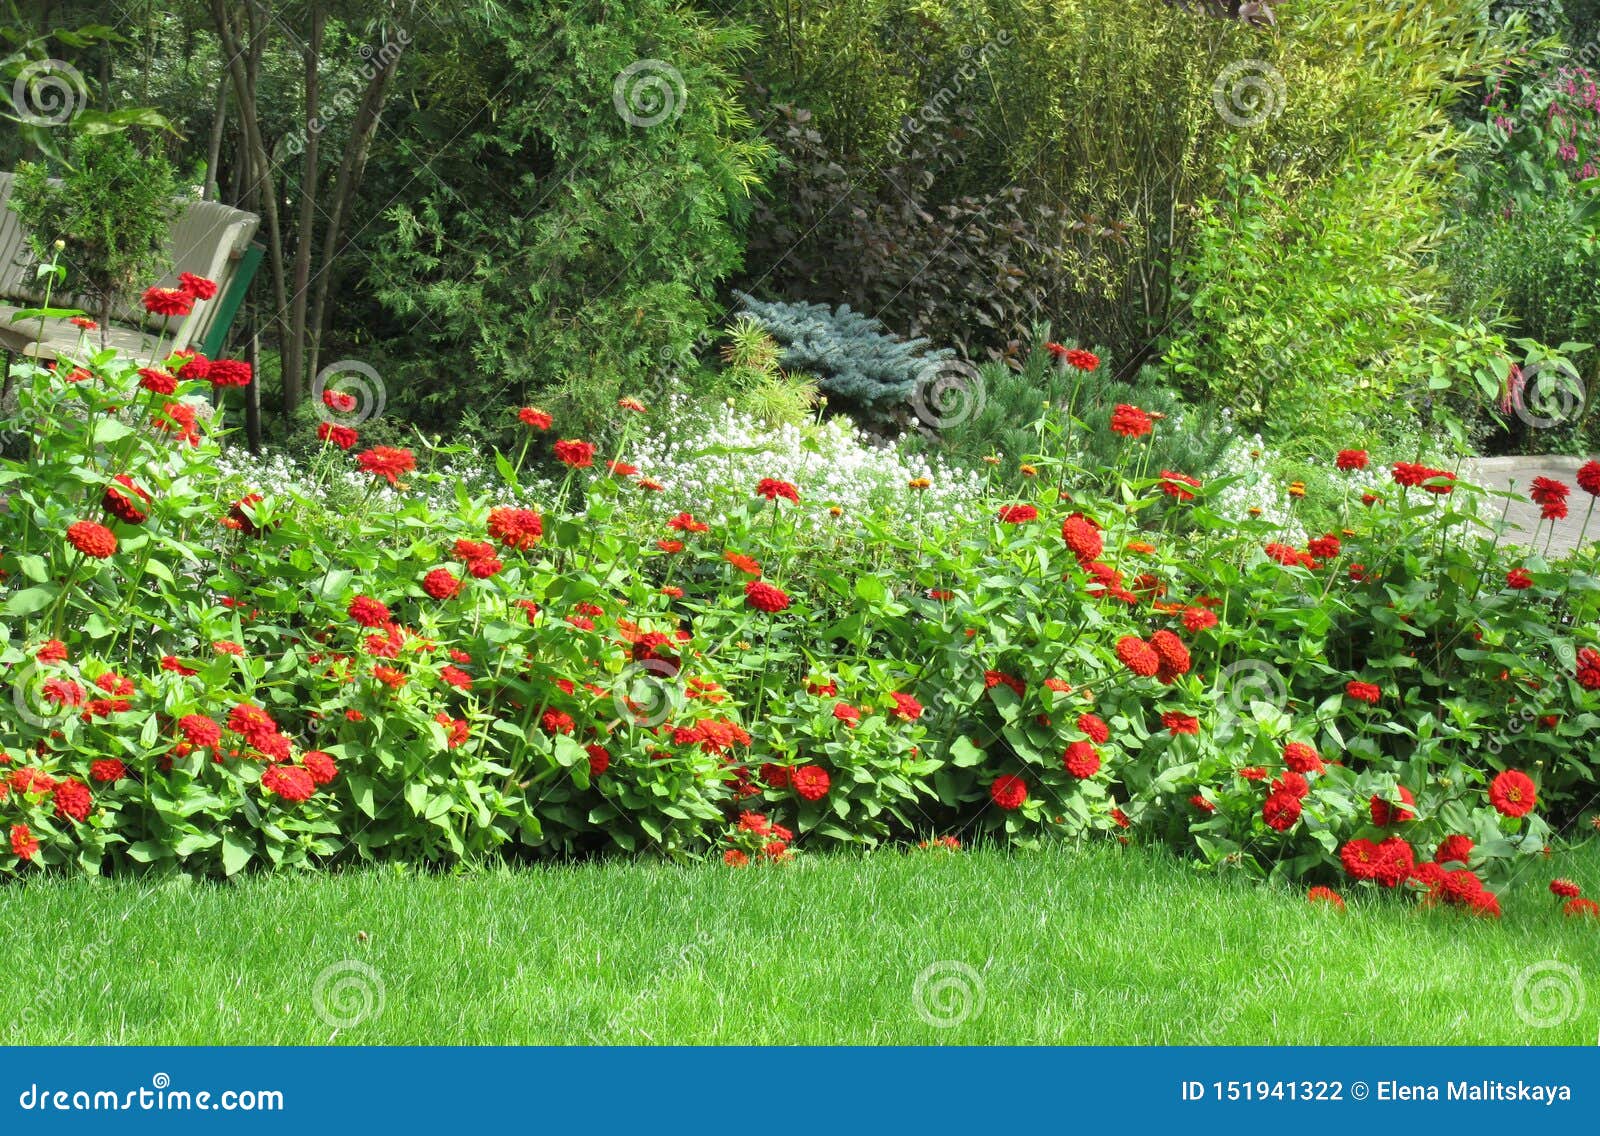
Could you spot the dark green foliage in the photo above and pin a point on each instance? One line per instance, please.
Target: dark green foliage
(854, 359)
(111, 206)
(574, 238)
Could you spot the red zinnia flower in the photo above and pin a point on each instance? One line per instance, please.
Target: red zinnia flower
(764, 597)
(1302, 758)
(1325, 895)
(1519, 579)
(1384, 813)
(1138, 656)
(122, 506)
(1081, 760)
(1589, 478)
(685, 522)
(906, 708)
(157, 382)
(197, 286)
(72, 799)
(1363, 692)
(772, 489)
(368, 612)
(200, 731)
(1173, 654)
(23, 843)
(811, 782)
(289, 782)
(1544, 490)
(743, 563)
(1253, 773)
(516, 528)
(1280, 811)
(1085, 361)
(1453, 849)
(53, 651)
(1008, 792)
(1177, 485)
(320, 765)
(1095, 728)
(92, 539)
(1202, 804)
(342, 436)
(1129, 421)
(1291, 783)
(1588, 668)
(441, 584)
(1565, 888)
(168, 302)
(1199, 618)
(1513, 793)
(1326, 546)
(107, 769)
(1017, 514)
(1360, 859)
(1553, 511)
(1351, 459)
(1177, 723)
(1083, 538)
(387, 462)
(228, 373)
(575, 454)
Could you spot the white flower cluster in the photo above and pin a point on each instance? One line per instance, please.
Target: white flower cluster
(709, 460)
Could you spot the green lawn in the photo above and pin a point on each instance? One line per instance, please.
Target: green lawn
(1099, 947)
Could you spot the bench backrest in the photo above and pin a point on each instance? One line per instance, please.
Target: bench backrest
(205, 238)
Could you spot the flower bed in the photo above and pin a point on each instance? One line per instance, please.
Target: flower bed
(211, 682)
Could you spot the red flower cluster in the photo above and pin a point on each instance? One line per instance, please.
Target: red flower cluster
(1009, 792)
(772, 489)
(574, 454)
(387, 462)
(92, 539)
(1130, 421)
(516, 528)
(1178, 485)
(125, 506)
(765, 597)
(1351, 459)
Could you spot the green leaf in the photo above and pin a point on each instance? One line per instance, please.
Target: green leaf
(236, 851)
(30, 601)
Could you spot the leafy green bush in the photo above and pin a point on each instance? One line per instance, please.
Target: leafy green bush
(110, 205)
(605, 194)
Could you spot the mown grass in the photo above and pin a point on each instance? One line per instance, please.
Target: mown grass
(1079, 947)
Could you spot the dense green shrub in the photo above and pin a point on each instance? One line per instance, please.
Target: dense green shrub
(574, 238)
(111, 206)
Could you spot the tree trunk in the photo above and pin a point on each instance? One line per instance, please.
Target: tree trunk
(294, 345)
(244, 75)
(219, 129)
(348, 182)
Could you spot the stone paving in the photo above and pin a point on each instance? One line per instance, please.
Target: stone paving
(1498, 473)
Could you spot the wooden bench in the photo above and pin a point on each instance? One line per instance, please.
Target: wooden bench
(205, 238)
